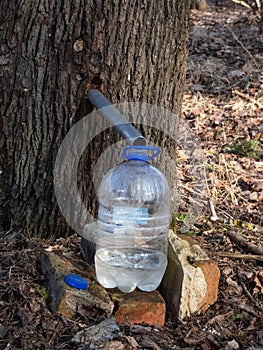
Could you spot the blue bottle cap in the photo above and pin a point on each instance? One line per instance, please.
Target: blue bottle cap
(76, 281)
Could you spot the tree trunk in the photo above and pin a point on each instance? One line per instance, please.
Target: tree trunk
(52, 53)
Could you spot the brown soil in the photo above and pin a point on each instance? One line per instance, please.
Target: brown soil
(223, 106)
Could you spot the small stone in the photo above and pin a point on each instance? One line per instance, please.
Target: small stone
(98, 334)
(260, 197)
(139, 307)
(190, 283)
(67, 300)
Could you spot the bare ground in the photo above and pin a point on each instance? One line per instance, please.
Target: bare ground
(223, 106)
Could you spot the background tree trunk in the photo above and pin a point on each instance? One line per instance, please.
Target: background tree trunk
(52, 53)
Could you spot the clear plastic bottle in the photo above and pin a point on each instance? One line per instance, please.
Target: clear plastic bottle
(133, 222)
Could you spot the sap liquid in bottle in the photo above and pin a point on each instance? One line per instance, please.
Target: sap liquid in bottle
(133, 223)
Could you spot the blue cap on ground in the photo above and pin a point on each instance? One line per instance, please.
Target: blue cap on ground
(76, 281)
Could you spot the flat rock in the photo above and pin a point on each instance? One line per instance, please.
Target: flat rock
(189, 286)
(98, 334)
(139, 307)
(190, 283)
(130, 308)
(93, 301)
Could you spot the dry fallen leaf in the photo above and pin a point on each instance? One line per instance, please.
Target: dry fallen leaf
(133, 345)
(53, 248)
(259, 283)
(237, 289)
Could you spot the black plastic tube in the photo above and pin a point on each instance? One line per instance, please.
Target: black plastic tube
(115, 118)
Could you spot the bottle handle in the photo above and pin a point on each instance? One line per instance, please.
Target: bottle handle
(140, 156)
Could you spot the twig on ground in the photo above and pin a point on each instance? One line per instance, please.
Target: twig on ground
(243, 243)
(242, 80)
(247, 97)
(251, 298)
(239, 256)
(243, 46)
(241, 2)
(194, 193)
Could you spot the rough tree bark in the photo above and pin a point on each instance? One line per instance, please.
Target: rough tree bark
(52, 52)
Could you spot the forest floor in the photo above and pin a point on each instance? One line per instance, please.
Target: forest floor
(223, 106)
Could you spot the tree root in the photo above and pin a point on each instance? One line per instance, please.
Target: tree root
(245, 244)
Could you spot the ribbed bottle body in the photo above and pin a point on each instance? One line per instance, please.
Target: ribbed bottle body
(133, 222)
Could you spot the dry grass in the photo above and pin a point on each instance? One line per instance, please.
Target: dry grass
(203, 71)
(223, 105)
